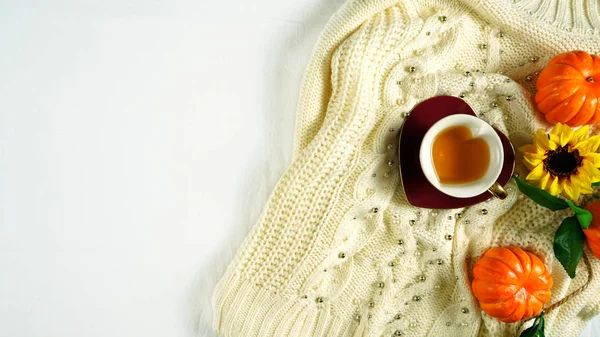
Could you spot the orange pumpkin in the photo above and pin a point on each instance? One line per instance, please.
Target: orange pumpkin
(511, 284)
(569, 89)
(592, 234)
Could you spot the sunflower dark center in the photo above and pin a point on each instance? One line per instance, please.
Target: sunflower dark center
(561, 162)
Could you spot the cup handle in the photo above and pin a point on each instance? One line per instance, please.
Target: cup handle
(498, 191)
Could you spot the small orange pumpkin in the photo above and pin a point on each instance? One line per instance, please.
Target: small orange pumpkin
(592, 234)
(569, 89)
(511, 284)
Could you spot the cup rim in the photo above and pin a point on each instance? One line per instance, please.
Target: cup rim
(470, 189)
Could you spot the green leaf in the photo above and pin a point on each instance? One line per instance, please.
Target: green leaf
(568, 244)
(537, 329)
(583, 215)
(540, 196)
(597, 183)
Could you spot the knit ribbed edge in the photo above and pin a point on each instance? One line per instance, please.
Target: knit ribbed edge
(512, 14)
(583, 14)
(243, 308)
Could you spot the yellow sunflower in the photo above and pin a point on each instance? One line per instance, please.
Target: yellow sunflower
(563, 161)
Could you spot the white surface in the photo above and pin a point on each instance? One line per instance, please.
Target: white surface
(138, 142)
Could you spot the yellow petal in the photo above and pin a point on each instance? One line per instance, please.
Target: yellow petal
(592, 174)
(580, 135)
(566, 136)
(537, 173)
(557, 129)
(544, 181)
(532, 161)
(554, 134)
(584, 184)
(541, 140)
(564, 133)
(587, 190)
(533, 156)
(594, 158)
(571, 190)
(588, 171)
(588, 146)
(554, 188)
(530, 149)
(578, 180)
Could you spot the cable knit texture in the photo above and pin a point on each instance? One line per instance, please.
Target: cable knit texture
(338, 251)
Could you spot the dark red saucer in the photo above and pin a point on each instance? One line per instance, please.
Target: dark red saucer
(417, 188)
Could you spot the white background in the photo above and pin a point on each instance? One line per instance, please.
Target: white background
(139, 141)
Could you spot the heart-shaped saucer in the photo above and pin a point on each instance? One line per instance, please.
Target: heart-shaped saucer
(417, 188)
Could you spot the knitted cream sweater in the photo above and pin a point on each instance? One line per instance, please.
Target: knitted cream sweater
(322, 261)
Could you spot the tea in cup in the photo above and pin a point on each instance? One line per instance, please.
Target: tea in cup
(462, 156)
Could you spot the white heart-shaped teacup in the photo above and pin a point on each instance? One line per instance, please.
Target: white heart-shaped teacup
(479, 129)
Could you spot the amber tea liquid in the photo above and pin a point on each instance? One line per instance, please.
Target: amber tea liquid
(458, 158)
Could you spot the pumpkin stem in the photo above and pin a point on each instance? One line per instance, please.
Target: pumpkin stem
(591, 79)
